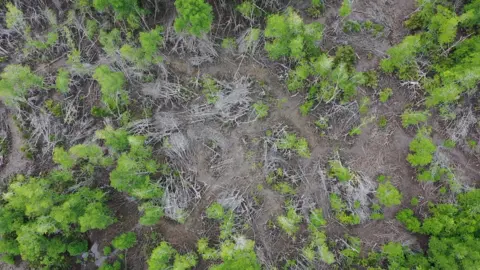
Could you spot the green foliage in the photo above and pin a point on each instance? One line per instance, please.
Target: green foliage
(40, 219)
(62, 157)
(352, 27)
(364, 105)
(132, 174)
(248, 10)
(382, 121)
(62, 81)
(328, 78)
(124, 241)
(210, 89)
(449, 143)
(215, 211)
(110, 41)
(346, 55)
(407, 218)
(14, 18)
(385, 94)
(16, 81)
(236, 254)
(165, 257)
(107, 251)
(316, 219)
(115, 139)
(291, 142)
(388, 195)
(229, 43)
(290, 222)
(338, 171)
(402, 58)
(123, 8)
(261, 109)
(340, 208)
(414, 201)
(411, 117)
(345, 9)
(317, 248)
(289, 37)
(77, 247)
(112, 87)
(147, 54)
(91, 28)
(194, 17)
(151, 214)
(422, 149)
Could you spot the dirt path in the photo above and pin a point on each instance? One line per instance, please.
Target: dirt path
(16, 161)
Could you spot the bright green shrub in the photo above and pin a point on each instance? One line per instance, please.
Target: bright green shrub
(317, 248)
(345, 9)
(211, 90)
(124, 241)
(14, 17)
(339, 207)
(16, 81)
(115, 139)
(62, 157)
(407, 218)
(112, 87)
(261, 109)
(290, 222)
(402, 58)
(288, 36)
(410, 117)
(77, 247)
(110, 41)
(385, 94)
(148, 53)
(107, 251)
(194, 17)
(338, 171)
(316, 218)
(388, 195)
(62, 81)
(237, 254)
(291, 142)
(123, 8)
(422, 149)
(248, 10)
(215, 211)
(151, 214)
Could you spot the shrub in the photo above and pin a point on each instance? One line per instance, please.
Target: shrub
(402, 58)
(338, 171)
(147, 54)
(77, 247)
(261, 109)
(210, 89)
(407, 218)
(62, 81)
(115, 139)
(345, 9)
(388, 195)
(288, 36)
(410, 117)
(385, 94)
(123, 8)
(194, 16)
(291, 142)
(422, 149)
(16, 81)
(248, 10)
(151, 214)
(215, 211)
(124, 241)
(111, 86)
(316, 218)
(107, 251)
(290, 222)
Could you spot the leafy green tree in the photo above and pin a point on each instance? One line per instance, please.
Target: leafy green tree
(115, 139)
(422, 149)
(111, 86)
(338, 171)
(77, 247)
(288, 36)
(96, 216)
(62, 157)
(402, 58)
(151, 214)
(123, 8)
(346, 8)
(148, 53)
(164, 257)
(388, 195)
(124, 241)
(290, 222)
(16, 81)
(215, 211)
(410, 117)
(194, 17)
(407, 218)
(62, 81)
